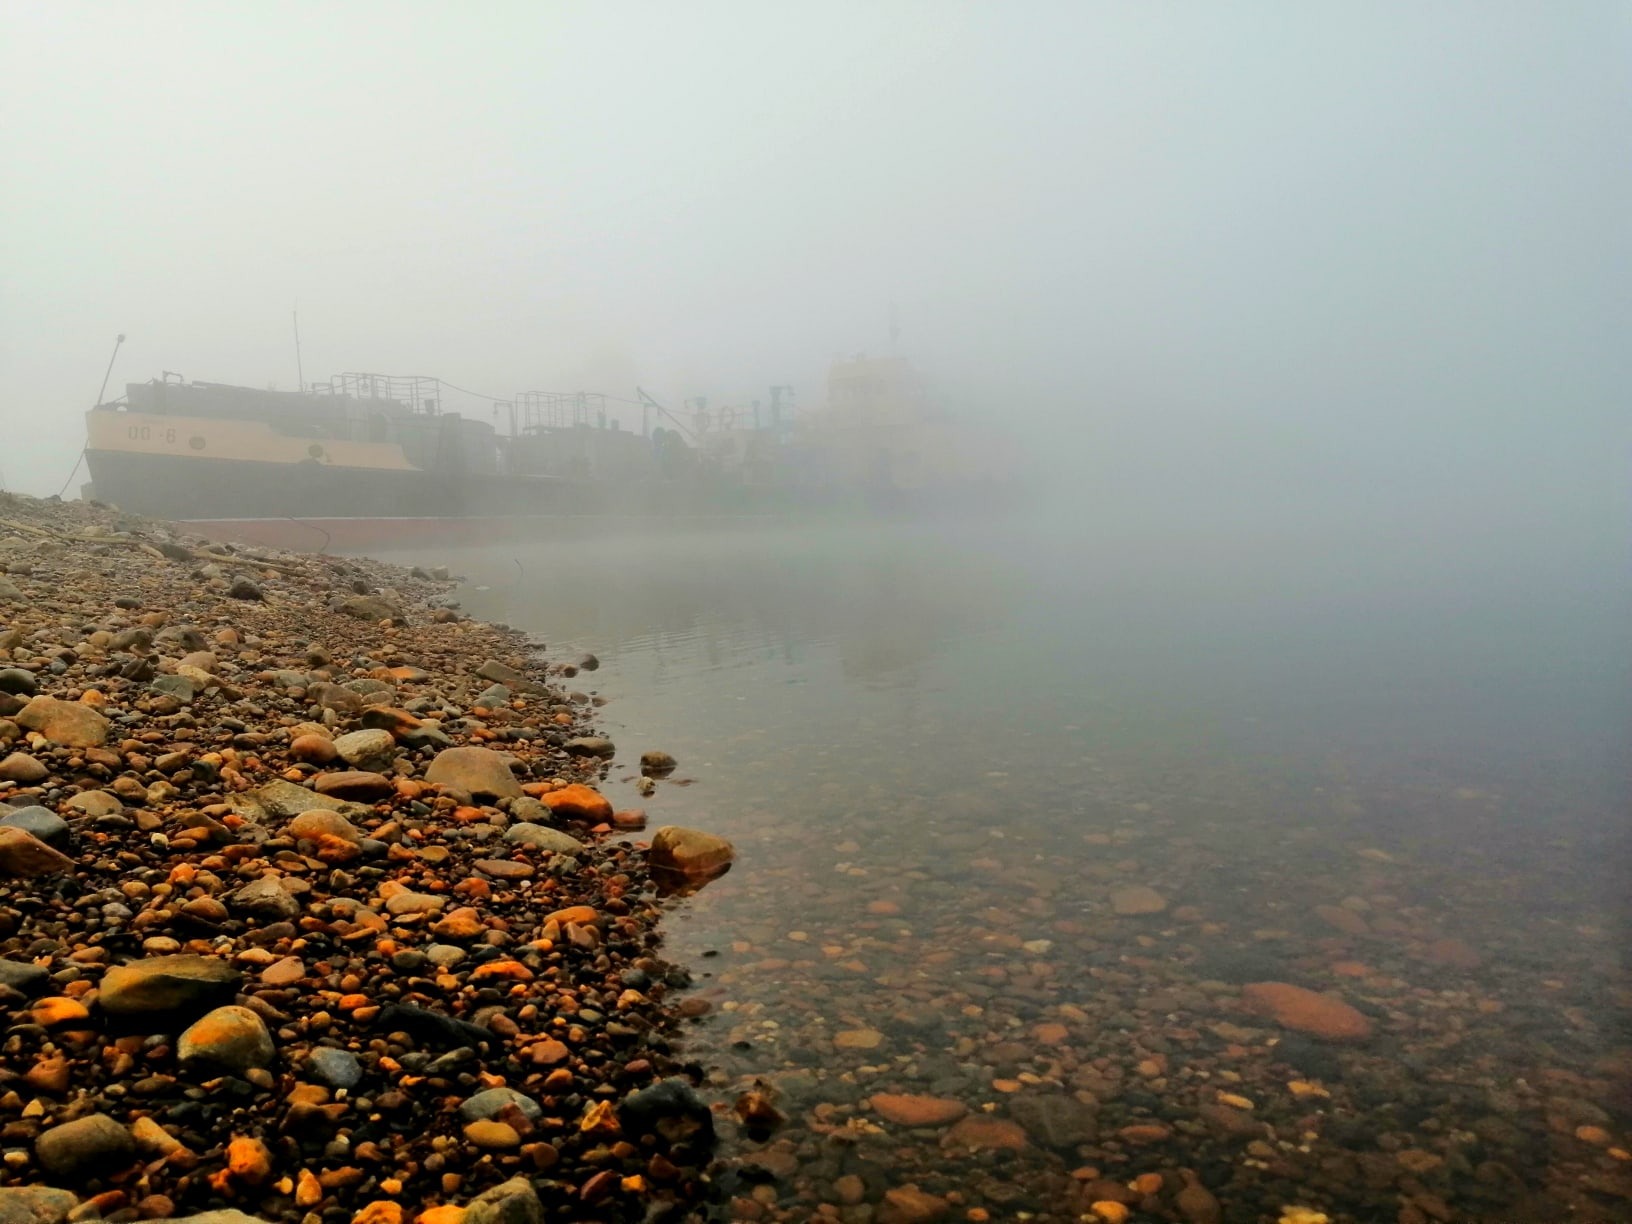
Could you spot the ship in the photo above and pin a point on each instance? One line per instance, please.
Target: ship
(372, 460)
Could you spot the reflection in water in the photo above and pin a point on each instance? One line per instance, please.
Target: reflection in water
(1025, 821)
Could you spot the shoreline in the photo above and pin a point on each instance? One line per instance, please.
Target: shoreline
(308, 905)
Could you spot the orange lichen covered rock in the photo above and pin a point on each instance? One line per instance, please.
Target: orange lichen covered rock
(690, 853)
(986, 1134)
(906, 1110)
(579, 802)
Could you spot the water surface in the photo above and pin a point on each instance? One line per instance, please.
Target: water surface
(1391, 770)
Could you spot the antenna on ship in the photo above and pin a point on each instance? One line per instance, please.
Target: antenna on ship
(107, 374)
(300, 370)
(120, 339)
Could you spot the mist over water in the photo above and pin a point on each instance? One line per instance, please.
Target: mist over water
(936, 745)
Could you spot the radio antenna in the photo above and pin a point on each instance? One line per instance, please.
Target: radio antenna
(300, 370)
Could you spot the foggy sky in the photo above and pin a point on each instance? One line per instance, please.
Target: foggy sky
(1301, 255)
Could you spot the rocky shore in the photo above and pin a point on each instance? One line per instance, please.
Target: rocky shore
(309, 907)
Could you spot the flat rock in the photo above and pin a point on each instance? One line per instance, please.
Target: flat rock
(1055, 1120)
(910, 1205)
(1136, 899)
(858, 1039)
(477, 771)
(160, 985)
(503, 673)
(986, 1134)
(505, 869)
(24, 856)
(370, 608)
(355, 784)
(591, 745)
(1452, 953)
(69, 723)
(490, 1103)
(233, 1038)
(285, 799)
(543, 837)
(905, 1109)
(1341, 919)
(410, 902)
(180, 687)
(1306, 1011)
(371, 749)
(264, 898)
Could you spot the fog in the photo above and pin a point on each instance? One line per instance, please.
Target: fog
(1296, 262)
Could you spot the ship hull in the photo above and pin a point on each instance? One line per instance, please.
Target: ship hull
(302, 505)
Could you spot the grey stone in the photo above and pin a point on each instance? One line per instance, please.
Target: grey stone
(35, 1205)
(503, 673)
(18, 680)
(592, 745)
(43, 823)
(488, 1104)
(335, 1068)
(369, 750)
(179, 687)
(185, 638)
(444, 956)
(370, 608)
(23, 975)
(493, 696)
(1055, 1120)
(264, 898)
(285, 799)
(511, 1202)
(543, 838)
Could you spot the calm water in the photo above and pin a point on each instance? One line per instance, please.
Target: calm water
(940, 753)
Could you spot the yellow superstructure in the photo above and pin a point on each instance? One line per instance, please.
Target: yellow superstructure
(250, 441)
(880, 426)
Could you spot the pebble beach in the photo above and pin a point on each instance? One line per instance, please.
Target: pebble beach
(310, 908)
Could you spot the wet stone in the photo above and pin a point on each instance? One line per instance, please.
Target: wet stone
(40, 822)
